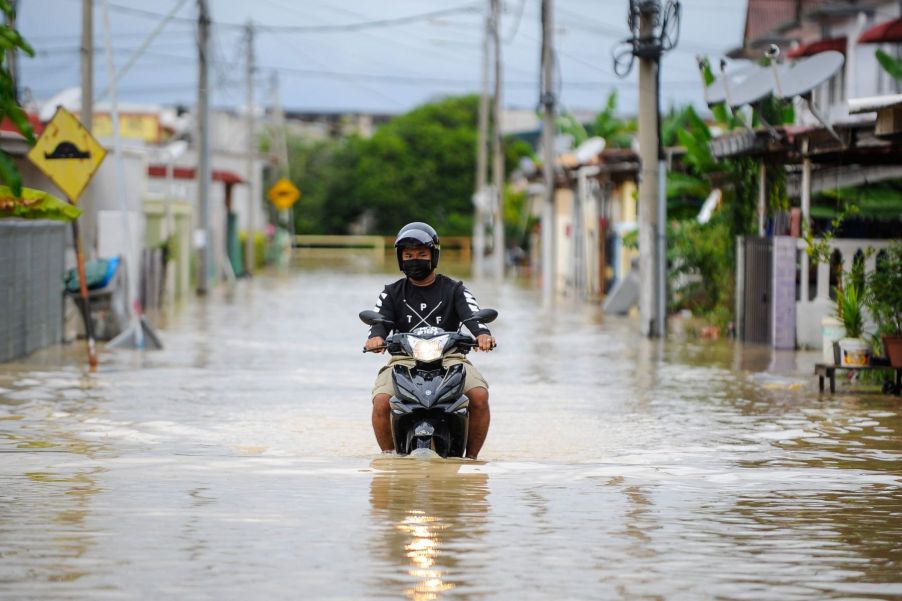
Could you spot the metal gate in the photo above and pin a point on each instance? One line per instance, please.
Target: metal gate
(757, 281)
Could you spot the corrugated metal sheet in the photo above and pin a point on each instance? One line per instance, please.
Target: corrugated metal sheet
(31, 286)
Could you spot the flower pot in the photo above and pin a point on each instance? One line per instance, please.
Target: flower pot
(854, 352)
(892, 348)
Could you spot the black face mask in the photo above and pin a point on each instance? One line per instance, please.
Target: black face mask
(417, 269)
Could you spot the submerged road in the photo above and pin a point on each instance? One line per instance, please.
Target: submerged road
(239, 463)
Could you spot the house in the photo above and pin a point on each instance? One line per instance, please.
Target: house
(847, 134)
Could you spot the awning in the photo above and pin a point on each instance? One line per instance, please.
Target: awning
(812, 48)
(891, 31)
(226, 177)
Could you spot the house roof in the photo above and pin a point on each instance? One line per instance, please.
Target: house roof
(890, 31)
(219, 175)
(36, 125)
(812, 48)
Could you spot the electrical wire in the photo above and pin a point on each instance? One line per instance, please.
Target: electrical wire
(376, 23)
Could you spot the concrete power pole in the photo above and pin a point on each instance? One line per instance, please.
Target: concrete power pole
(87, 113)
(648, 181)
(250, 176)
(497, 156)
(548, 129)
(481, 161)
(203, 145)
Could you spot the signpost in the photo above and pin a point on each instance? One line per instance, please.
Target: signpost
(69, 155)
(283, 195)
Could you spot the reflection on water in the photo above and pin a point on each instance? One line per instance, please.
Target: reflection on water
(428, 515)
(238, 463)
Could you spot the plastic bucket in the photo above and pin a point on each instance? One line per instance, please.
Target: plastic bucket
(854, 352)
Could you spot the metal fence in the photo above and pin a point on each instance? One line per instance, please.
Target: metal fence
(31, 286)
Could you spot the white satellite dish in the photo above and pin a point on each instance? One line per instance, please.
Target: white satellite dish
(590, 149)
(800, 78)
(70, 99)
(717, 91)
(757, 86)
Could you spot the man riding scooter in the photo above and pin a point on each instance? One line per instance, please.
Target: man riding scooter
(424, 298)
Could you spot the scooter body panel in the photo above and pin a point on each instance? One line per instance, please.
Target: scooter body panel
(429, 409)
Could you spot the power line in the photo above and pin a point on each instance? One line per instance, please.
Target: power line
(376, 23)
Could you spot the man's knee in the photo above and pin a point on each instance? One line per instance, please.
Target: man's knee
(381, 404)
(479, 398)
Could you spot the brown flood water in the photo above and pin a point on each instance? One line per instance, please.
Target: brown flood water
(239, 463)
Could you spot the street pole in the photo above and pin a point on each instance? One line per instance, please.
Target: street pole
(251, 139)
(203, 143)
(279, 138)
(12, 55)
(481, 161)
(87, 112)
(648, 181)
(548, 129)
(497, 157)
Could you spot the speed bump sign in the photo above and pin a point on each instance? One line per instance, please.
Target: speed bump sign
(283, 194)
(67, 153)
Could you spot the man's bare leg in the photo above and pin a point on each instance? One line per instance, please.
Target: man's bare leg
(479, 420)
(382, 422)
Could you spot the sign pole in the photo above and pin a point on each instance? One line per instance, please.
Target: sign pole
(83, 293)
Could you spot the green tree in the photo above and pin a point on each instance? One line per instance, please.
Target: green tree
(11, 41)
(420, 165)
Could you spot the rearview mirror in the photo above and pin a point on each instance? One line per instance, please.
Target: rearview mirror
(483, 315)
(371, 318)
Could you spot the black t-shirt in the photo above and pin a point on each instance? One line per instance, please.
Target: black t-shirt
(443, 304)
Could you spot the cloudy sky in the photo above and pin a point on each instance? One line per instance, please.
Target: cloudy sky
(387, 68)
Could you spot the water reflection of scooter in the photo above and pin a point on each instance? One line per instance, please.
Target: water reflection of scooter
(431, 519)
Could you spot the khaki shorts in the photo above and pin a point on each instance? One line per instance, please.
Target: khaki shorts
(384, 385)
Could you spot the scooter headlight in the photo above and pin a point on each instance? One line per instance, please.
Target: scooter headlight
(427, 350)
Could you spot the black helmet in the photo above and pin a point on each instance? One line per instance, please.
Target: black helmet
(416, 234)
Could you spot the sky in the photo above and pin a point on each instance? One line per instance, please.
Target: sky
(386, 69)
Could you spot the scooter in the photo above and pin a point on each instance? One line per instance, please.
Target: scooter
(429, 409)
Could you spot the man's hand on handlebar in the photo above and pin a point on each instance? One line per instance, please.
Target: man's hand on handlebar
(376, 344)
(484, 342)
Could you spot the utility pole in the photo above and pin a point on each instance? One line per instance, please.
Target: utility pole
(648, 181)
(87, 112)
(12, 55)
(281, 144)
(250, 176)
(481, 160)
(203, 144)
(548, 129)
(497, 157)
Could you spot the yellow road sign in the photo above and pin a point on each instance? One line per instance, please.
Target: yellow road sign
(283, 194)
(67, 153)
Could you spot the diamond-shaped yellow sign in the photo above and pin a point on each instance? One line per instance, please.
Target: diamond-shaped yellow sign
(67, 153)
(283, 194)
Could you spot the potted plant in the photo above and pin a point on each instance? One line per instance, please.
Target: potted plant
(884, 301)
(854, 350)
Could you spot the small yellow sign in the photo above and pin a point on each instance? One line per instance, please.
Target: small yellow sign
(67, 153)
(283, 194)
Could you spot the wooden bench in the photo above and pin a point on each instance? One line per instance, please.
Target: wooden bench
(828, 370)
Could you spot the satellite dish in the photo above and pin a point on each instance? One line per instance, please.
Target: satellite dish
(717, 93)
(757, 86)
(590, 149)
(800, 78)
